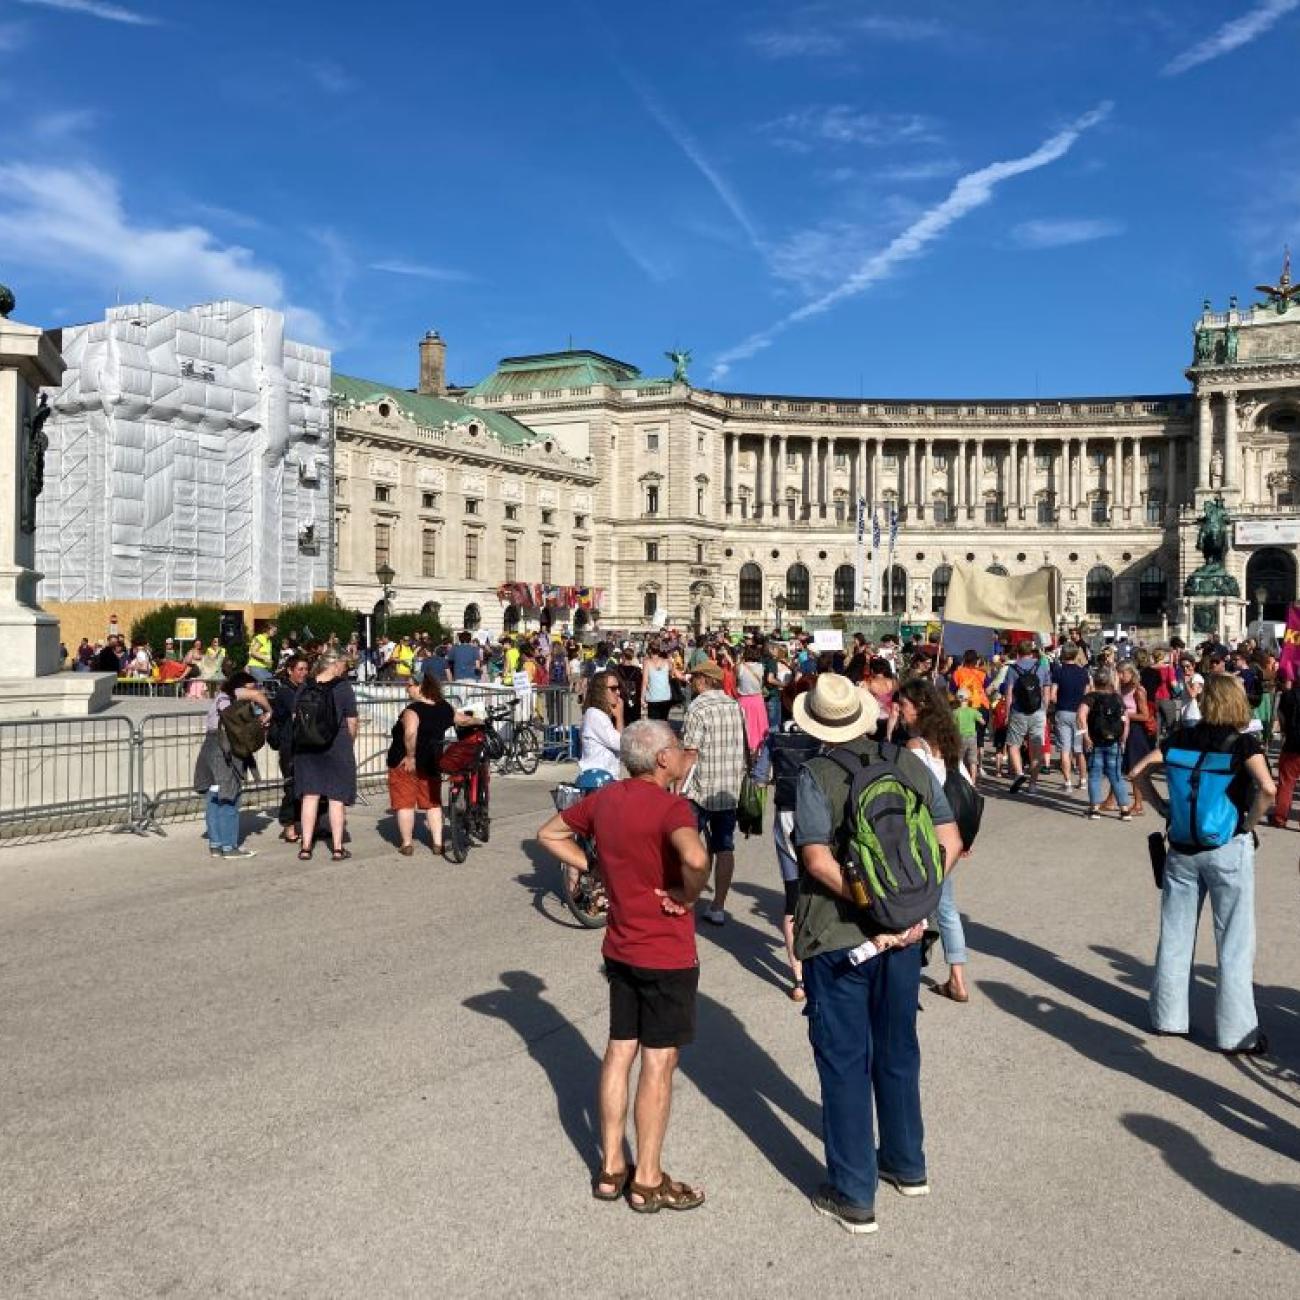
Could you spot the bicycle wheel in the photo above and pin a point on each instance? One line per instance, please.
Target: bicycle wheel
(528, 750)
(585, 897)
(455, 831)
(480, 822)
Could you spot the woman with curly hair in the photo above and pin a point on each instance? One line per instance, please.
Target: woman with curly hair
(928, 718)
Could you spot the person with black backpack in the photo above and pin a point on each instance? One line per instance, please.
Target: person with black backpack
(1104, 725)
(325, 762)
(875, 836)
(235, 730)
(1025, 687)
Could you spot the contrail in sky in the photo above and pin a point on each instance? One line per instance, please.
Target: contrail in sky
(970, 192)
(1232, 35)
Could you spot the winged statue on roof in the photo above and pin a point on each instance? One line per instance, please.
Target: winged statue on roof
(681, 360)
(1281, 293)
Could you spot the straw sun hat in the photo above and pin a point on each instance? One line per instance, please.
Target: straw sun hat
(835, 710)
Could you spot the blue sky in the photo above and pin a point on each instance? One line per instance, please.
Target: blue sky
(944, 198)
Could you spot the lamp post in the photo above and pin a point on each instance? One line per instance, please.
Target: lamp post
(778, 603)
(386, 575)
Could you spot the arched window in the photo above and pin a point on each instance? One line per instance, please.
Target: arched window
(751, 587)
(845, 584)
(1100, 592)
(998, 570)
(473, 618)
(796, 588)
(939, 588)
(1152, 587)
(895, 592)
(650, 604)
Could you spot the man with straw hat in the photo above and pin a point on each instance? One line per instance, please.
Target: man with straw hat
(862, 985)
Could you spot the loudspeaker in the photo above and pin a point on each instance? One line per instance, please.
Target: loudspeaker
(232, 626)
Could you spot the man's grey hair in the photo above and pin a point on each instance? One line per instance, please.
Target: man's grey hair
(642, 743)
(1104, 679)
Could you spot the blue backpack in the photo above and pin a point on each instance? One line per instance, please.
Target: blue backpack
(1201, 815)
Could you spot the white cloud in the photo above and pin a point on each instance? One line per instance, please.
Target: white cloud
(931, 169)
(60, 124)
(1231, 36)
(971, 191)
(811, 39)
(653, 266)
(421, 270)
(330, 77)
(70, 223)
(111, 13)
(1062, 232)
(838, 124)
(819, 256)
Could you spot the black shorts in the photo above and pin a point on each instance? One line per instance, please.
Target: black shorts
(655, 1007)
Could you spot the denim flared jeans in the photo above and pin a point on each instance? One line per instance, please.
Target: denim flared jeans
(1104, 762)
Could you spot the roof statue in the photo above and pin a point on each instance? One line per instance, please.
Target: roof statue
(7, 303)
(1281, 293)
(681, 360)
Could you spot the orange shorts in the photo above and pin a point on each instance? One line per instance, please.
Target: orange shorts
(413, 789)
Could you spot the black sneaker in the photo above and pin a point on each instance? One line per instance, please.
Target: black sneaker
(1018, 784)
(852, 1218)
(907, 1186)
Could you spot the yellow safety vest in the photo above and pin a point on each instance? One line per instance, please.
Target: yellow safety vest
(259, 651)
(403, 658)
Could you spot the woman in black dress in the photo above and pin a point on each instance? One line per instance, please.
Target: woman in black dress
(329, 773)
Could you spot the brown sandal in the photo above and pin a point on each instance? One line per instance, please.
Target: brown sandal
(667, 1196)
(617, 1181)
(946, 990)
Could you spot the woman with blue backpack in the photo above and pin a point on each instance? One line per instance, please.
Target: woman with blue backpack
(1219, 789)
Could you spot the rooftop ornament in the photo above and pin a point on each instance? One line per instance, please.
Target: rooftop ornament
(1281, 293)
(7, 302)
(681, 360)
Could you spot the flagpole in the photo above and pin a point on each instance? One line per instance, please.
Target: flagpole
(861, 557)
(889, 571)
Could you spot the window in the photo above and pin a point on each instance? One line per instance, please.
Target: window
(939, 510)
(1047, 508)
(652, 499)
(548, 516)
(699, 552)
(941, 460)
(1043, 460)
(1155, 509)
(471, 556)
(796, 588)
(939, 581)
(428, 501)
(548, 551)
(428, 553)
(1100, 508)
(338, 539)
(841, 508)
(579, 566)
(383, 545)
(1099, 593)
(791, 460)
(699, 443)
(997, 570)
(652, 440)
(650, 604)
(512, 512)
(471, 505)
(751, 587)
(889, 460)
(580, 521)
(845, 587)
(895, 592)
(383, 492)
(1097, 459)
(990, 460)
(512, 558)
(652, 552)
(699, 500)
(994, 510)
(1153, 458)
(841, 460)
(1152, 587)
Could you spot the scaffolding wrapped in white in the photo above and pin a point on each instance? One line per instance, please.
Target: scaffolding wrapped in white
(189, 459)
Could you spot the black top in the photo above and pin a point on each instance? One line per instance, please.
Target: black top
(434, 721)
(1288, 712)
(790, 751)
(1215, 738)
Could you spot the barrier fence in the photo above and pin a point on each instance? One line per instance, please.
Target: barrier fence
(78, 775)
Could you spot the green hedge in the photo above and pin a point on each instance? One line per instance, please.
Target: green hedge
(410, 624)
(320, 619)
(156, 627)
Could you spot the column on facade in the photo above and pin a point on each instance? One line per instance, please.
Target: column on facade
(1204, 437)
(877, 455)
(1170, 453)
(729, 472)
(1080, 462)
(959, 475)
(763, 475)
(1060, 487)
(1031, 464)
(778, 509)
(923, 490)
(1231, 454)
(909, 478)
(863, 488)
(1136, 491)
(1013, 461)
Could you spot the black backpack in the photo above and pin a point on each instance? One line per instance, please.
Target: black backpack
(967, 805)
(1106, 719)
(241, 720)
(315, 716)
(1027, 690)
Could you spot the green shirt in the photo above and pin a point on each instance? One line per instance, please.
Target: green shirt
(968, 721)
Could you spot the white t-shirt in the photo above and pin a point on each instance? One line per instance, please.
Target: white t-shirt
(600, 743)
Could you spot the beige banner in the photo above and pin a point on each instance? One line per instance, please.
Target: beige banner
(1026, 602)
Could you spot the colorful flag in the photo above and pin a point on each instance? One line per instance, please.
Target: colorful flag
(875, 529)
(893, 527)
(1289, 659)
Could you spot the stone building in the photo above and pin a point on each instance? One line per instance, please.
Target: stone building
(715, 507)
(458, 501)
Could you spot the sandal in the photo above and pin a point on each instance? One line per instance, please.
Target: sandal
(289, 836)
(946, 990)
(340, 855)
(797, 993)
(617, 1181)
(668, 1195)
(406, 849)
(304, 853)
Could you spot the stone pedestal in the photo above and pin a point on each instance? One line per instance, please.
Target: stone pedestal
(29, 637)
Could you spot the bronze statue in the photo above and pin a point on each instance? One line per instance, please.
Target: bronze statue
(1212, 535)
(681, 360)
(1230, 344)
(1281, 293)
(1204, 347)
(35, 445)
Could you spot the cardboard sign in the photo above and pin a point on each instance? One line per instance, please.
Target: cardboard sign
(828, 640)
(187, 629)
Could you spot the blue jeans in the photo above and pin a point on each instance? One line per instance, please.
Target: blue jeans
(1227, 876)
(223, 822)
(1104, 761)
(763, 763)
(948, 918)
(862, 1026)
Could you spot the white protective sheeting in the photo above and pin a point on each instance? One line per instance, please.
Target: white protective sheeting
(189, 459)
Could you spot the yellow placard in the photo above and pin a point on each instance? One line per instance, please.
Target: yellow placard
(187, 629)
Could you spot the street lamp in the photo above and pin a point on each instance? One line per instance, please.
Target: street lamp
(385, 574)
(778, 603)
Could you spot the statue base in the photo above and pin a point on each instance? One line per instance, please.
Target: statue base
(1211, 581)
(60, 695)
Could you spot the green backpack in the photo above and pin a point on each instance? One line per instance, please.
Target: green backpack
(241, 720)
(895, 862)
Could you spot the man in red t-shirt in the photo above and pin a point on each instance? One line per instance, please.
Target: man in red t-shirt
(654, 866)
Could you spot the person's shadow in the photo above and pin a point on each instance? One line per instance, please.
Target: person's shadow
(761, 952)
(1272, 1208)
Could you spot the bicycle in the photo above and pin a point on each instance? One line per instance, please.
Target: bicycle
(519, 749)
(466, 818)
(583, 892)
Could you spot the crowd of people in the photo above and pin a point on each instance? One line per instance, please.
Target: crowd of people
(805, 727)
